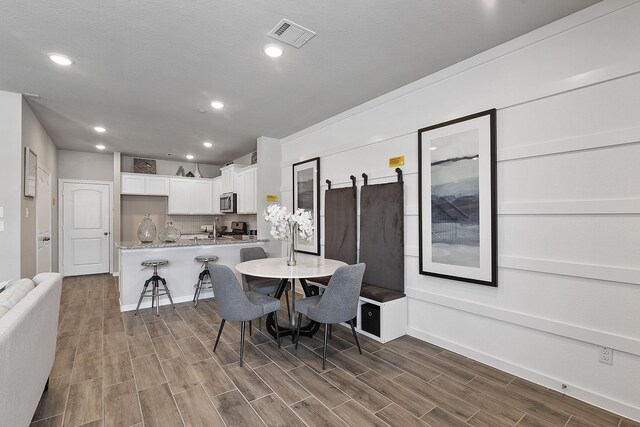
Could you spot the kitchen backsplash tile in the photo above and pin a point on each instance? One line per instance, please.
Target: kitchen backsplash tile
(190, 224)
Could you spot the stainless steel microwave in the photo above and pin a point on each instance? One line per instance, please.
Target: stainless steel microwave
(228, 202)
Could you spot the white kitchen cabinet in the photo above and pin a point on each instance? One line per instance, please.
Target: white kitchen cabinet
(215, 199)
(239, 189)
(229, 178)
(132, 184)
(144, 185)
(156, 185)
(180, 195)
(250, 185)
(190, 196)
(246, 187)
(202, 197)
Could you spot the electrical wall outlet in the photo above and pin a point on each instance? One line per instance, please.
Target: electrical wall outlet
(605, 355)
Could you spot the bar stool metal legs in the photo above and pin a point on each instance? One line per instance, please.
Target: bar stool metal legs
(205, 277)
(156, 282)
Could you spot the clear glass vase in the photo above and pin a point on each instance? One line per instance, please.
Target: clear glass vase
(291, 244)
(170, 233)
(146, 230)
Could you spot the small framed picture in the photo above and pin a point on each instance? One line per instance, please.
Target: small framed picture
(457, 199)
(30, 172)
(306, 195)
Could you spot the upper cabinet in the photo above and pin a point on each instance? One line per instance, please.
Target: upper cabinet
(229, 178)
(216, 185)
(202, 203)
(246, 182)
(194, 196)
(140, 184)
(190, 196)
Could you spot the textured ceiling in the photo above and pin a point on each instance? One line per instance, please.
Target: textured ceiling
(143, 68)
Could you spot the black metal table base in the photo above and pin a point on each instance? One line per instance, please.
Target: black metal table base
(307, 330)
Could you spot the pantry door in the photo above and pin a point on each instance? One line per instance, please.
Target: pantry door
(86, 228)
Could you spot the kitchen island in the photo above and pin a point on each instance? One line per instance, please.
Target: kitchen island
(182, 271)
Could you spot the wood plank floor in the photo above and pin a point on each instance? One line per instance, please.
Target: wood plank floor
(117, 369)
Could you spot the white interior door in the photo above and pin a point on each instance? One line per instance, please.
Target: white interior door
(43, 203)
(85, 228)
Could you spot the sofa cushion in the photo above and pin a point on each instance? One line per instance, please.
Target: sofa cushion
(13, 293)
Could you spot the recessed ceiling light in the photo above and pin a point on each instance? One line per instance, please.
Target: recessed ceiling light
(190, 156)
(60, 59)
(99, 129)
(217, 105)
(273, 50)
(433, 148)
(100, 147)
(207, 144)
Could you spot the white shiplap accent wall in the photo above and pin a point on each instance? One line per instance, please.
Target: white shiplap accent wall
(568, 195)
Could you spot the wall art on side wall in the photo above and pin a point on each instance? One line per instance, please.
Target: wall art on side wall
(457, 199)
(306, 195)
(30, 172)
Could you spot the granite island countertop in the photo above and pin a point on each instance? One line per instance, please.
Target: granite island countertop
(189, 242)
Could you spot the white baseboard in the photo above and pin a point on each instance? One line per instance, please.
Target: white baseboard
(588, 396)
(115, 274)
(146, 303)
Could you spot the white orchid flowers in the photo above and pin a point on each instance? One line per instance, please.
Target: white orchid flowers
(284, 224)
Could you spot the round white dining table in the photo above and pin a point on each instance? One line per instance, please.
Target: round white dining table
(277, 268)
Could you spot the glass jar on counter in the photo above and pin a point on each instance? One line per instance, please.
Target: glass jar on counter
(170, 233)
(146, 230)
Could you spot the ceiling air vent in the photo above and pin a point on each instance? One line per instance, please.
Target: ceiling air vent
(291, 33)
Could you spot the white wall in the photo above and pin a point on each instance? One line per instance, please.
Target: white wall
(568, 194)
(170, 167)
(269, 158)
(85, 165)
(244, 160)
(36, 138)
(11, 179)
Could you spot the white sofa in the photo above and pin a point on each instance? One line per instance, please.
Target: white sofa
(27, 348)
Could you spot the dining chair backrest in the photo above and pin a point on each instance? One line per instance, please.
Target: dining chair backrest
(339, 302)
(251, 254)
(231, 301)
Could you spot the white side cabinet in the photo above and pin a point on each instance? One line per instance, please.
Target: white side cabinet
(144, 185)
(246, 183)
(190, 196)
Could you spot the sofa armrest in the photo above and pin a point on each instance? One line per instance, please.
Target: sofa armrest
(28, 335)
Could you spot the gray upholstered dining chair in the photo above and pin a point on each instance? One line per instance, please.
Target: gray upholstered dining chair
(237, 305)
(261, 285)
(338, 303)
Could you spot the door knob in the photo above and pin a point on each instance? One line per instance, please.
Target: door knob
(106, 233)
(46, 239)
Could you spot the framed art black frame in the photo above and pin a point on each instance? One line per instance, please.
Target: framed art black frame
(306, 195)
(30, 172)
(457, 176)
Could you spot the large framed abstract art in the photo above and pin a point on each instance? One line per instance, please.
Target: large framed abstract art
(306, 195)
(457, 199)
